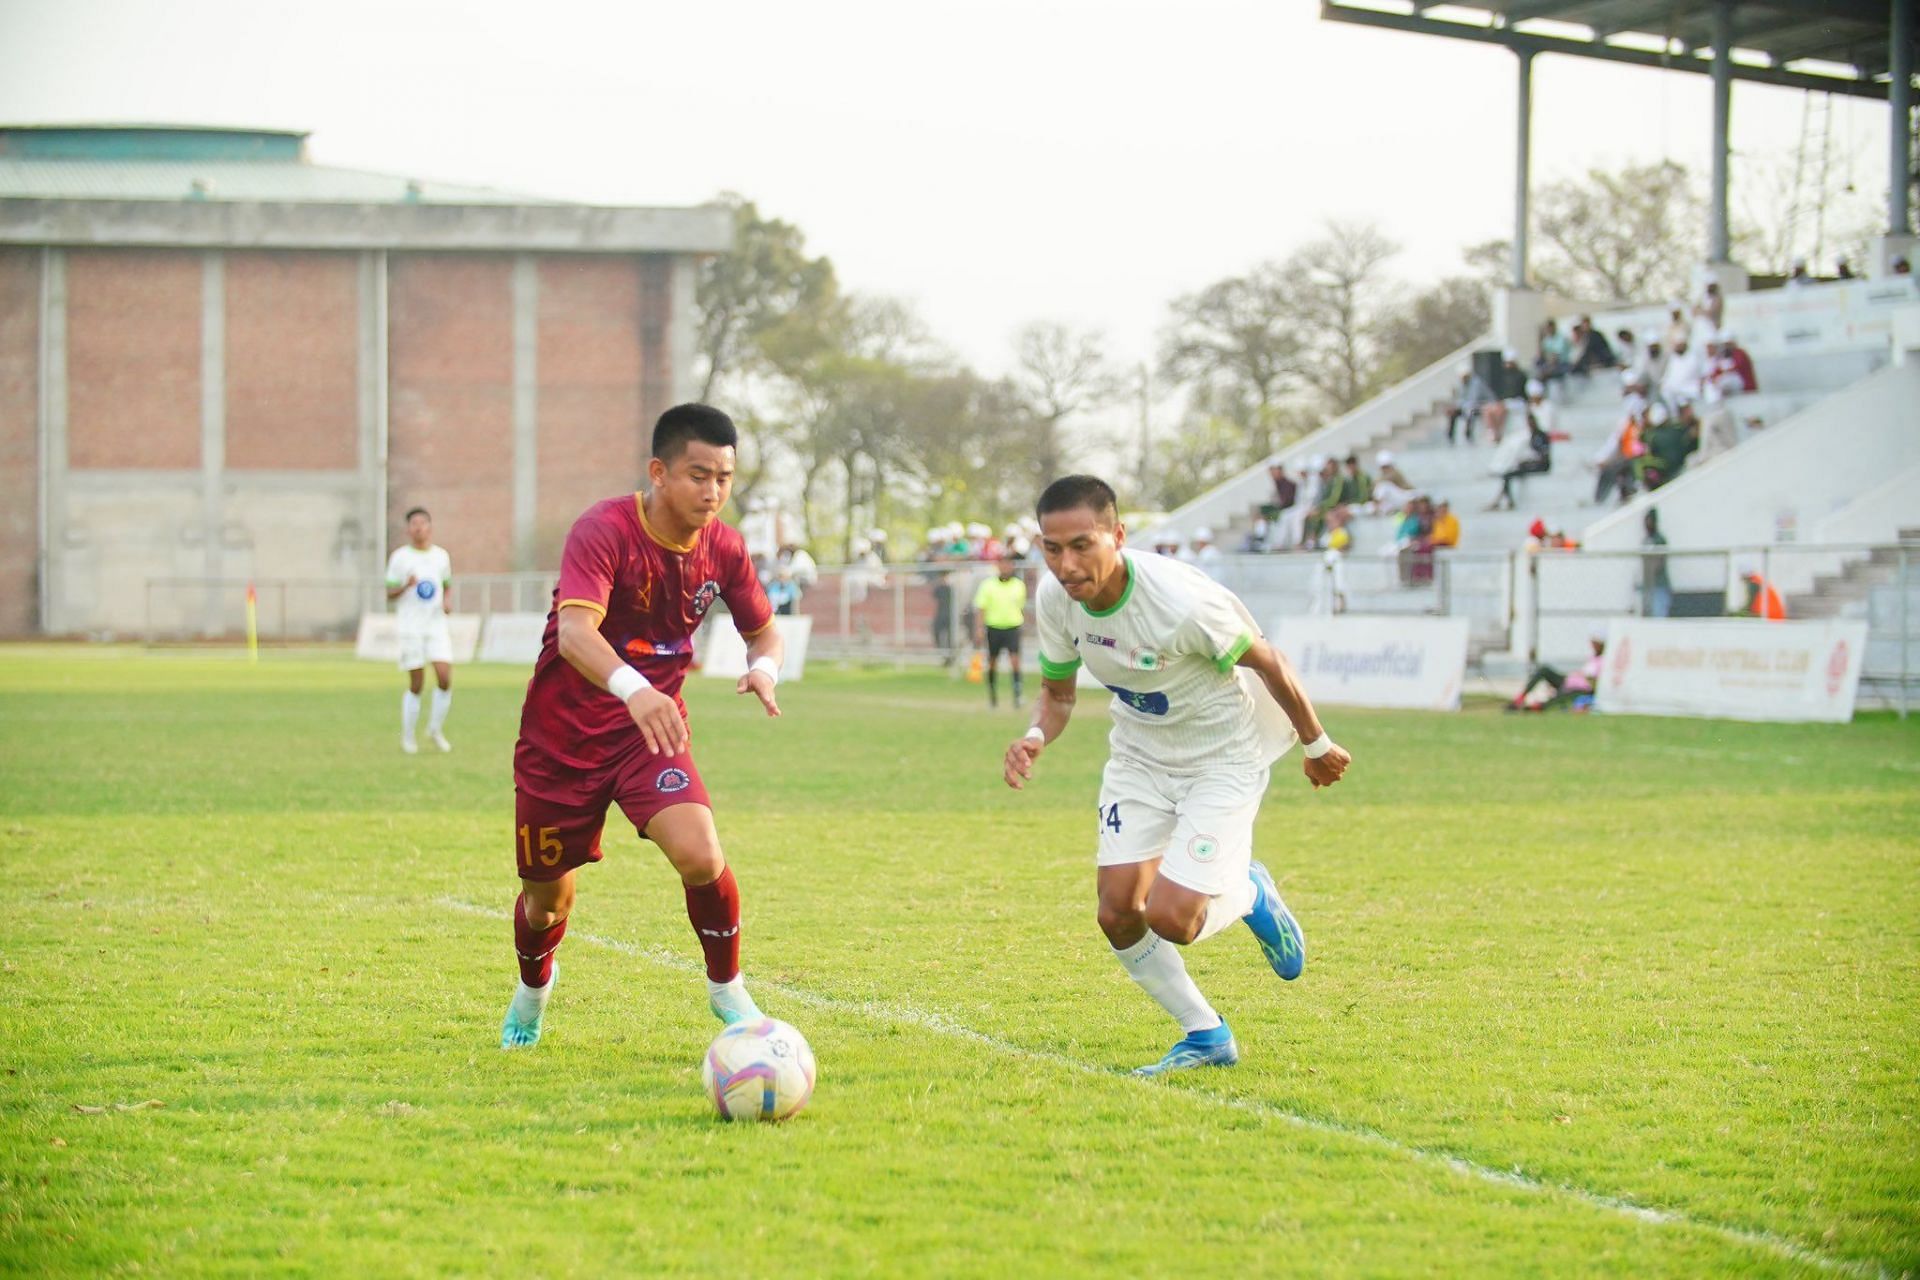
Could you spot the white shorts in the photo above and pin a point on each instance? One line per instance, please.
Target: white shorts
(419, 647)
(1199, 825)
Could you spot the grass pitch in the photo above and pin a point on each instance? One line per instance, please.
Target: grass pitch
(1583, 996)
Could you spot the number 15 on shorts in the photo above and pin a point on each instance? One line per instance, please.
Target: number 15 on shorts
(1110, 816)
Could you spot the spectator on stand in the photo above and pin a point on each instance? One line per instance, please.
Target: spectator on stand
(1656, 588)
(1290, 524)
(1332, 497)
(1329, 586)
(1591, 350)
(1670, 439)
(1556, 354)
(1391, 490)
(1653, 364)
(1711, 309)
(1679, 328)
(1167, 543)
(1469, 398)
(1718, 430)
(1734, 357)
(1763, 601)
(1255, 540)
(1524, 453)
(1446, 525)
(1615, 459)
(1684, 374)
(1842, 269)
(1201, 553)
(1800, 277)
(1902, 267)
(1569, 688)
(782, 594)
(1626, 352)
(1359, 491)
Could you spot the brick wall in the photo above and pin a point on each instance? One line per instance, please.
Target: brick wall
(19, 440)
(133, 359)
(450, 408)
(292, 361)
(592, 442)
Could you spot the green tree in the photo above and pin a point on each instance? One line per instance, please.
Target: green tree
(1235, 341)
(1431, 323)
(766, 281)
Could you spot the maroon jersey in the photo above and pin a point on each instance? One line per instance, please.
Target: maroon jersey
(651, 595)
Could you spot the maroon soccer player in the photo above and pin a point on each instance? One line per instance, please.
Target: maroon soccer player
(603, 721)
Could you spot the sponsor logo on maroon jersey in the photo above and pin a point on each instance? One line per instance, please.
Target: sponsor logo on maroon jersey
(703, 598)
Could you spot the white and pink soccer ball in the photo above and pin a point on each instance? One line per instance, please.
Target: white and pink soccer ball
(761, 1069)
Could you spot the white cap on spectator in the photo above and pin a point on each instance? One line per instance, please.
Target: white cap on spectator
(1203, 534)
(1510, 354)
(978, 530)
(1724, 336)
(1384, 458)
(1682, 399)
(1635, 403)
(1535, 387)
(1657, 415)
(877, 535)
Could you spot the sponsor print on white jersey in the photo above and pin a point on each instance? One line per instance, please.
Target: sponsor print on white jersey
(422, 605)
(1167, 652)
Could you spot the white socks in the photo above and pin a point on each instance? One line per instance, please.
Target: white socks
(442, 699)
(530, 1002)
(1228, 908)
(409, 714)
(1155, 964)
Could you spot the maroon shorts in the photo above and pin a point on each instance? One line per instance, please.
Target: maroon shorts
(558, 811)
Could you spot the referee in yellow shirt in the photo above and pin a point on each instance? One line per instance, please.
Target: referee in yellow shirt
(1000, 606)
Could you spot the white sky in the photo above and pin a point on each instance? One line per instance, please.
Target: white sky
(993, 161)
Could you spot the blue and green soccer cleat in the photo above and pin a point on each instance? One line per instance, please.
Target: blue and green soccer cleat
(1215, 1048)
(1274, 927)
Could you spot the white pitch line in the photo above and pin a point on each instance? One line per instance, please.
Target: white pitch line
(1515, 1179)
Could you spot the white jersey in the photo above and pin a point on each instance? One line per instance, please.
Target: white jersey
(1167, 652)
(422, 606)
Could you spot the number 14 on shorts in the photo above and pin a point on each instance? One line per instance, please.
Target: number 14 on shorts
(1110, 816)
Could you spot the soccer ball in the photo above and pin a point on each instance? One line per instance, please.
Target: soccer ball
(758, 1070)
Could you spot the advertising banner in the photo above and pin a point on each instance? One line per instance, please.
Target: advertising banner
(721, 651)
(1733, 668)
(379, 637)
(1357, 660)
(512, 637)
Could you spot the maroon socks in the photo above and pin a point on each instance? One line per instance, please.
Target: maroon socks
(714, 910)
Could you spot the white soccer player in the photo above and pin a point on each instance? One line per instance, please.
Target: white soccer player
(418, 576)
(1202, 706)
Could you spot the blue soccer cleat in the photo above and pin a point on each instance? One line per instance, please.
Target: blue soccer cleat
(1215, 1048)
(1274, 927)
(515, 1034)
(732, 1004)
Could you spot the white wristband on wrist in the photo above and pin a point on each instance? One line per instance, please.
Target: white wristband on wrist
(767, 666)
(625, 682)
(1035, 733)
(1318, 747)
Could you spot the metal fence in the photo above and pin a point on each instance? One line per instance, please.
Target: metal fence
(1521, 606)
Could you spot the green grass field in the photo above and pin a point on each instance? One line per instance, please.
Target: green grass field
(1584, 996)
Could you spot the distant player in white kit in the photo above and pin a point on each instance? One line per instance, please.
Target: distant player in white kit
(418, 576)
(1202, 706)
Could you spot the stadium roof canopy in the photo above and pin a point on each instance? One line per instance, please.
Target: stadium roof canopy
(1833, 46)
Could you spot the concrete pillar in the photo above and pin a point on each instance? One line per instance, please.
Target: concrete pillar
(1522, 168)
(680, 330)
(1719, 235)
(371, 385)
(53, 438)
(213, 435)
(526, 409)
(1518, 315)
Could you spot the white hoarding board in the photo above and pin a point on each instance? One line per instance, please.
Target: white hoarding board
(722, 652)
(1733, 668)
(379, 637)
(512, 637)
(1372, 661)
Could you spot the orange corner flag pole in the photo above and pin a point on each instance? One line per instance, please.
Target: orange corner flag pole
(253, 625)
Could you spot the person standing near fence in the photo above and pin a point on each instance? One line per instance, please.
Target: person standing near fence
(418, 576)
(1000, 604)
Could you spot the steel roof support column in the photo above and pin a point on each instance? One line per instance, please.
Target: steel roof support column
(1719, 236)
(1522, 165)
(1900, 117)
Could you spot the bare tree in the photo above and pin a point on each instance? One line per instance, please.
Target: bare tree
(1337, 292)
(1235, 340)
(1629, 236)
(1061, 372)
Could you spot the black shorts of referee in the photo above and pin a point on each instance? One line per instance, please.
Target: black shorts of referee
(1003, 640)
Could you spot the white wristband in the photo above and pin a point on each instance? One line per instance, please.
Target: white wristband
(625, 682)
(1035, 733)
(767, 666)
(1318, 747)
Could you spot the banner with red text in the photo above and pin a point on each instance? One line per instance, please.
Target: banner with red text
(1733, 668)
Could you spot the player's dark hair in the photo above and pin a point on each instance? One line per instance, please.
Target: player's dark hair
(686, 422)
(418, 511)
(1069, 492)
